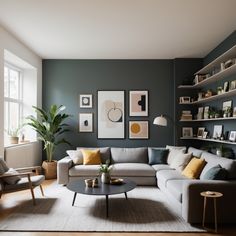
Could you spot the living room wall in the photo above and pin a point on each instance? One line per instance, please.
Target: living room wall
(65, 80)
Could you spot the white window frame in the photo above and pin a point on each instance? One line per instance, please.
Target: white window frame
(20, 92)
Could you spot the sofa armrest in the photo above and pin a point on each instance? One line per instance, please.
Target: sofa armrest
(63, 167)
(192, 202)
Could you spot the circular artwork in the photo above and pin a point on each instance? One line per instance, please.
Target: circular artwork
(135, 128)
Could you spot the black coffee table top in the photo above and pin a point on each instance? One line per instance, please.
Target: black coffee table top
(79, 186)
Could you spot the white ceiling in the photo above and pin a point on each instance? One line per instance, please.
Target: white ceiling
(119, 29)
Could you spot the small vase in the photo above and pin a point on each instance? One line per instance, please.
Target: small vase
(105, 178)
(218, 153)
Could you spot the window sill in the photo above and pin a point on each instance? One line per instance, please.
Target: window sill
(19, 144)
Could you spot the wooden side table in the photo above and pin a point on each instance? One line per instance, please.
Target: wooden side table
(214, 196)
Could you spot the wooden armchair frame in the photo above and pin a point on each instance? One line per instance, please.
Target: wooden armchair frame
(26, 174)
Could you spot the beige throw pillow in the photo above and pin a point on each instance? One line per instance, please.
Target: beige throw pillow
(173, 152)
(180, 161)
(76, 156)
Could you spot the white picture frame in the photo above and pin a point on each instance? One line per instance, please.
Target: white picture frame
(187, 132)
(232, 136)
(85, 122)
(138, 103)
(86, 101)
(200, 132)
(111, 114)
(217, 131)
(205, 134)
(138, 129)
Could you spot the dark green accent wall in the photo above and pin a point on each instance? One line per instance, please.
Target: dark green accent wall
(64, 80)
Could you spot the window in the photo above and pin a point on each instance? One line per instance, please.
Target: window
(13, 104)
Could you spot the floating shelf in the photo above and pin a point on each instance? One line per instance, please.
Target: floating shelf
(221, 75)
(213, 119)
(212, 98)
(209, 140)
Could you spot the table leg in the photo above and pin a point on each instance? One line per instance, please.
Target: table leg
(107, 205)
(215, 214)
(74, 199)
(126, 196)
(204, 212)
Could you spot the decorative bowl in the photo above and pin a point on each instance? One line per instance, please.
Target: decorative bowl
(116, 181)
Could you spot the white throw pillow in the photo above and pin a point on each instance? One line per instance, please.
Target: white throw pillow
(173, 152)
(180, 161)
(76, 156)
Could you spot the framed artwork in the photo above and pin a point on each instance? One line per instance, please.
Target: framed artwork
(205, 134)
(184, 100)
(217, 132)
(206, 112)
(138, 103)
(85, 122)
(234, 112)
(200, 113)
(227, 104)
(232, 85)
(138, 129)
(85, 101)
(226, 86)
(232, 136)
(200, 132)
(111, 114)
(187, 132)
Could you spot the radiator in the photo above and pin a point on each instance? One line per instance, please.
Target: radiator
(24, 155)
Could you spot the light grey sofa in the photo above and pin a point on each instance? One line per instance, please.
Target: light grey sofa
(183, 193)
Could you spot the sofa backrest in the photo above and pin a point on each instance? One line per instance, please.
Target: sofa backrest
(129, 155)
(104, 151)
(196, 152)
(213, 160)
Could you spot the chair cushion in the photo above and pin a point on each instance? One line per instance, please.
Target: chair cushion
(165, 175)
(159, 167)
(84, 170)
(3, 166)
(212, 160)
(216, 173)
(104, 152)
(24, 183)
(129, 155)
(13, 179)
(132, 169)
(194, 168)
(157, 156)
(76, 156)
(180, 161)
(91, 157)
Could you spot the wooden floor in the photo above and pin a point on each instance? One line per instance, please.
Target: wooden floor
(9, 201)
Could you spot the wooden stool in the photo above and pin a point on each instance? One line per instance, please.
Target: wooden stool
(214, 195)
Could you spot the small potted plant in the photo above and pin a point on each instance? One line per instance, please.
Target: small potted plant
(104, 170)
(14, 135)
(212, 113)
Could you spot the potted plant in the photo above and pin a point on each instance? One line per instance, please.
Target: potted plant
(212, 112)
(49, 126)
(14, 135)
(104, 170)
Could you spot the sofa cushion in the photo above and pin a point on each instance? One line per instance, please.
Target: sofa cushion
(159, 167)
(129, 155)
(173, 152)
(13, 179)
(84, 170)
(216, 173)
(165, 175)
(213, 160)
(91, 157)
(157, 156)
(104, 151)
(76, 156)
(180, 161)
(194, 168)
(196, 152)
(132, 169)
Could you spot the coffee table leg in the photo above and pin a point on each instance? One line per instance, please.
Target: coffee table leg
(74, 199)
(126, 196)
(107, 205)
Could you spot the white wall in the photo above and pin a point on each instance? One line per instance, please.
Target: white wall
(13, 45)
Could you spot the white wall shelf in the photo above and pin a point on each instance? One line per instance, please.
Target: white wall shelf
(209, 140)
(213, 119)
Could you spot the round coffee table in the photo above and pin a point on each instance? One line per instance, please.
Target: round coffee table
(78, 186)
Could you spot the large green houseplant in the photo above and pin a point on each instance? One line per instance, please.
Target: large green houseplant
(50, 126)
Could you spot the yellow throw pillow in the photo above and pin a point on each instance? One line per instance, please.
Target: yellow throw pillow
(194, 168)
(91, 157)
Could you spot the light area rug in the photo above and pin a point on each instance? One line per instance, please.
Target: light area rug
(146, 210)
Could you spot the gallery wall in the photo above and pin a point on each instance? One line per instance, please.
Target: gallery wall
(65, 80)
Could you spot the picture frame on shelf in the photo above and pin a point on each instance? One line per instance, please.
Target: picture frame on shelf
(187, 132)
(227, 104)
(234, 112)
(206, 112)
(217, 131)
(138, 103)
(85, 122)
(232, 85)
(205, 133)
(232, 136)
(200, 113)
(111, 114)
(138, 129)
(226, 86)
(86, 101)
(184, 100)
(200, 132)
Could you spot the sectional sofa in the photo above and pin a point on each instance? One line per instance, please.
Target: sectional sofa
(183, 193)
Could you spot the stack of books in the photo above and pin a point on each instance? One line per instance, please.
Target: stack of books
(186, 115)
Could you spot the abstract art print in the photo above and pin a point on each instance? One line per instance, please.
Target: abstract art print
(138, 103)
(86, 101)
(85, 122)
(111, 117)
(138, 130)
